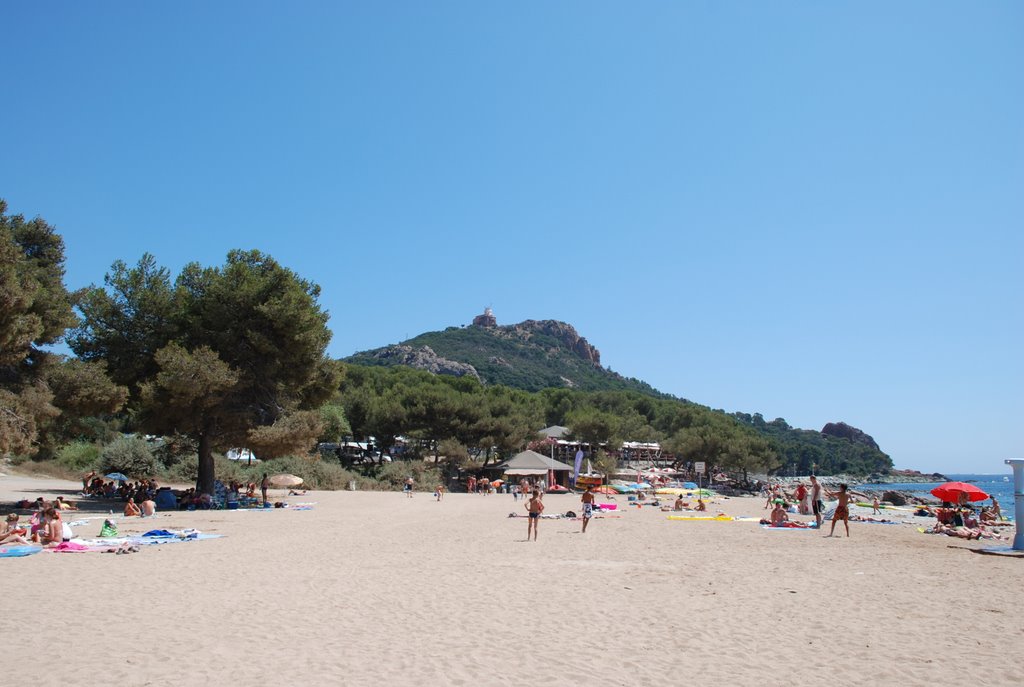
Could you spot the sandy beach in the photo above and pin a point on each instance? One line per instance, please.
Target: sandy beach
(377, 588)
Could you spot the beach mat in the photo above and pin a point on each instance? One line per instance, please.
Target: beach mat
(720, 518)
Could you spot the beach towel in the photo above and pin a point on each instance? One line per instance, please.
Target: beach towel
(70, 547)
(700, 517)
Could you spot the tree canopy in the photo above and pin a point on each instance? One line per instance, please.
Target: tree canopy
(229, 356)
(41, 394)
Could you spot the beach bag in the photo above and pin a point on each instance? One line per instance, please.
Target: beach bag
(109, 529)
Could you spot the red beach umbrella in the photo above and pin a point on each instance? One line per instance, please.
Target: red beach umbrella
(950, 491)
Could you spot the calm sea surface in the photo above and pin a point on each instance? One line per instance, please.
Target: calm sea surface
(993, 485)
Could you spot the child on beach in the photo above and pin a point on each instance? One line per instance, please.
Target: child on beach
(588, 507)
(11, 533)
(842, 510)
(875, 510)
(535, 507)
(408, 487)
(439, 492)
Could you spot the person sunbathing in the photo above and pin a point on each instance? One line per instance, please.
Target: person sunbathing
(130, 509)
(678, 505)
(61, 504)
(954, 531)
(148, 508)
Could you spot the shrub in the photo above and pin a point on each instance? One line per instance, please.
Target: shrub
(316, 473)
(175, 449)
(393, 475)
(130, 455)
(79, 455)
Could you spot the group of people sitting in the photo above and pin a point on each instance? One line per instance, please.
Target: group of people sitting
(96, 486)
(680, 504)
(961, 521)
(45, 526)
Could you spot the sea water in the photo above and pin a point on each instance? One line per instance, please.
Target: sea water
(993, 485)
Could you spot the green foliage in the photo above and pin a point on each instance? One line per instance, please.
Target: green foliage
(130, 455)
(232, 355)
(80, 456)
(393, 475)
(803, 452)
(35, 308)
(428, 409)
(535, 363)
(335, 424)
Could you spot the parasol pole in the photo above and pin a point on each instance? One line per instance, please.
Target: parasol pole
(1018, 502)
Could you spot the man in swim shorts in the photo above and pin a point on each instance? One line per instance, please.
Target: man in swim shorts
(535, 507)
(842, 510)
(816, 499)
(588, 507)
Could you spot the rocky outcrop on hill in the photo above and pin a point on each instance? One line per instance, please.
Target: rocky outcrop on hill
(845, 431)
(424, 358)
(565, 333)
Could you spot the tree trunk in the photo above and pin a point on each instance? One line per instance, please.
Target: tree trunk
(204, 484)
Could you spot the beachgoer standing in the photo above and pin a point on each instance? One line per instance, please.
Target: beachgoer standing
(264, 485)
(842, 510)
(439, 493)
(875, 506)
(534, 507)
(408, 487)
(801, 498)
(588, 507)
(816, 504)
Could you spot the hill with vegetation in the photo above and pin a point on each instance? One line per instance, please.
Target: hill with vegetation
(532, 356)
(551, 359)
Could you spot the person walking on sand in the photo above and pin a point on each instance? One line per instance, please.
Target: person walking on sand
(439, 493)
(842, 510)
(816, 504)
(264, 485)
(588, 507)
(534, 507)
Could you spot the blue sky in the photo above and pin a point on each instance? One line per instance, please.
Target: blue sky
(810, 210)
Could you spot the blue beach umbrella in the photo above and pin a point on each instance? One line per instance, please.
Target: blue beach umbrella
(117, 476)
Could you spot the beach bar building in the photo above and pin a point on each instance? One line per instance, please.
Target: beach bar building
(533, 464)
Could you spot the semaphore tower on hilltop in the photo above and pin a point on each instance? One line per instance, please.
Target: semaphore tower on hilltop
(487, 320)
